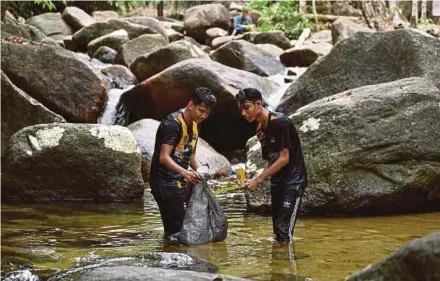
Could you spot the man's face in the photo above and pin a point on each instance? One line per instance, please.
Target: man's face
(249, 110)
(245, 14)
(199, 112)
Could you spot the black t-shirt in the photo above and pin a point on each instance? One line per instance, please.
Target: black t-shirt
(162, 180)
(280, 133)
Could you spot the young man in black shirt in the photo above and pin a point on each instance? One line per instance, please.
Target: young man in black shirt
(285, 164)
(174, 151)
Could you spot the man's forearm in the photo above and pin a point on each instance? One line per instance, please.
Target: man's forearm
(266, 167)
(271, 170)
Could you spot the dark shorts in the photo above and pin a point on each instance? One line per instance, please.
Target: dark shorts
(286, 202)
(172, 208)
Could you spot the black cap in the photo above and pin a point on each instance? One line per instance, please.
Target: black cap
(250, 94)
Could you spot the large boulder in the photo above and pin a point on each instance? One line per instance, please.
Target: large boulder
(431, 29)
(173, 35)
(235, 6)
(65, 83)
(220, 41)
(373, 149)
(51, 24)
(148, 273)
(321, 36)
(145, 133)
(243, 55)
(273, 50)
(277, 38)
(385, 57)
(213, 33)
(414, 261)
(77, 18)
(25, 31)
(113, 40)
(9, 18)
(105, 54)
(345, 28)
(141, 45)
(150, 22)
(200, 18)
(82, 37)
(62, 162)
(105, 15)
(148, 65)
(255, 16)
(120, 76)
(20, 110)
(170, 261)
(305, 55)
(174, 24)
(204, 48)
(169, 90)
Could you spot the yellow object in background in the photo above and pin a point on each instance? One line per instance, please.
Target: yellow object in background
(241, 175)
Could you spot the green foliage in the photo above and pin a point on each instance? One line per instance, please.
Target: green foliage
(28, 9)
(258, 5)
(46, 4)
(282, 15)
(121, 7)
(425, 21)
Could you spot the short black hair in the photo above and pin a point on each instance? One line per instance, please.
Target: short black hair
(244, 10)
(249, 94)
(204, 96)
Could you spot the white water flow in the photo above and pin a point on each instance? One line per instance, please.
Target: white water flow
(108, 117)
(275, 99)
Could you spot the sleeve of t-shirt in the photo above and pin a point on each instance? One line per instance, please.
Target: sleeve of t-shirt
(171, 132)
(282, 135)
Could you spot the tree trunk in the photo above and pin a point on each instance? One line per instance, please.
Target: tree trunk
(160, 9)
(364, 14)
(315, 14)
(392, 5)
(332, 18)
(377, 15)
(414, 14)
(302, 6)
(175, 7)
(423, 11)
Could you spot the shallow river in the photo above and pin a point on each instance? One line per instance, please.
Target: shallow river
(47, 238)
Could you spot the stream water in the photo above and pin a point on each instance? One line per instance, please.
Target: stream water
(48, 238)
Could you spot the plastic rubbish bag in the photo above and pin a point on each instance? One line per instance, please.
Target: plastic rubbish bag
(204, 221)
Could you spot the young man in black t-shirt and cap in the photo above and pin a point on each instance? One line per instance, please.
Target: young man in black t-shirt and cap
(174, 152)
(285, 164)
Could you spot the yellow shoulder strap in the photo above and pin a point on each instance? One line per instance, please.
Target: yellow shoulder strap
(181, 145)
(195, 135)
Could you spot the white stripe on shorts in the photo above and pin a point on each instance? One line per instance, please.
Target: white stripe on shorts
(292, 219)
